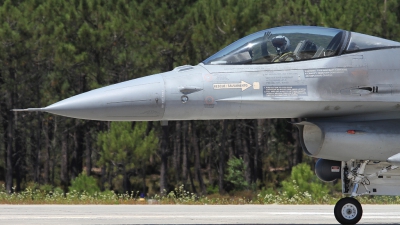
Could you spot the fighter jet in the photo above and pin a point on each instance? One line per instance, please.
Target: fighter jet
(344, 84)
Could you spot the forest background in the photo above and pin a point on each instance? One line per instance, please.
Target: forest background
(53, 49)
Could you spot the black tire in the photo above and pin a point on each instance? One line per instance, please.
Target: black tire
(348, 211)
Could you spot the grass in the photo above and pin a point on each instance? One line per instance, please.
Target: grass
(178, 196)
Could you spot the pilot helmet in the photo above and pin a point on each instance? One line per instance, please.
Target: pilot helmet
(281, 43)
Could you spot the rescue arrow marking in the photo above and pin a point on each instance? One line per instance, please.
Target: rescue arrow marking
(242, 85)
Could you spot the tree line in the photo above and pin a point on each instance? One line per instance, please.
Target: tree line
(53, 49)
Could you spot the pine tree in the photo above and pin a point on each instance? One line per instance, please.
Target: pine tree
(126, 147)
(17, 65)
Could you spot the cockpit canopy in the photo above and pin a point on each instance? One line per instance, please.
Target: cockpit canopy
(294, 43)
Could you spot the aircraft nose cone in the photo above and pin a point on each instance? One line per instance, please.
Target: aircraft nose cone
(135, 100)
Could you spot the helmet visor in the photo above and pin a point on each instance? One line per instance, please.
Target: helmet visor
(279, 42)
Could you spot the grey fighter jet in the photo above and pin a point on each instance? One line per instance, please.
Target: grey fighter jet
(345, 84)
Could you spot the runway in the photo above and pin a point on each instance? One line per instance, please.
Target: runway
(188, 214)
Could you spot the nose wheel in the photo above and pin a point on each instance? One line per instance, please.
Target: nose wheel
(348, 211)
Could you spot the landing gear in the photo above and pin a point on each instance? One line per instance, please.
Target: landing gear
(348, 211)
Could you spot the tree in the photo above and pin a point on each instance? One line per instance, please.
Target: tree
(377, 18)
(236, 173)
(126, 147)
(52, 49)
(303, 179)
(16, 63)
(84, 183)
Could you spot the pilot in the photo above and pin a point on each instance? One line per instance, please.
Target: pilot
(282, 45)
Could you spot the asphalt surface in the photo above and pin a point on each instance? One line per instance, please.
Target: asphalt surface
(188, 214)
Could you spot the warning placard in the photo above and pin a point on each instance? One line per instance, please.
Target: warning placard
(285, 91)
(315, 73)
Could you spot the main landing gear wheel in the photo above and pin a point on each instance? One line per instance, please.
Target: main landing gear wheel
(348, 211)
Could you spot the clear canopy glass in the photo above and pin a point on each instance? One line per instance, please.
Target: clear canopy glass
(359, 42)
(294, 43)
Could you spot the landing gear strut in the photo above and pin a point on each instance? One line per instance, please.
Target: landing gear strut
(348, 211)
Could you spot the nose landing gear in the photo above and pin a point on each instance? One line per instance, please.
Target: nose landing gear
(348, 211)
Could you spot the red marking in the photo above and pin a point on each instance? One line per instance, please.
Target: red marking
(351, 132)
(335, 168)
